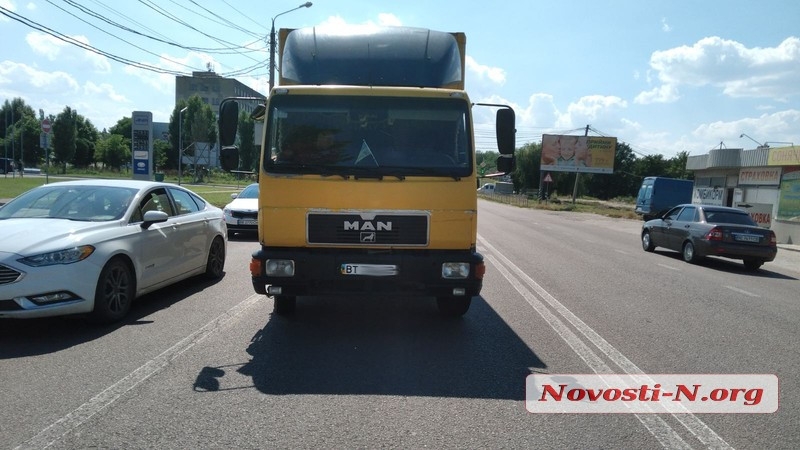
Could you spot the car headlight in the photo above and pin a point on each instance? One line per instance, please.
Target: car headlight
(66, 256)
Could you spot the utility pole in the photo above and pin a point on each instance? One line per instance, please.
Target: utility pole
(577, 174)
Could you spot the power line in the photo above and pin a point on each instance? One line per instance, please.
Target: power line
(62, 37)
(119, 38)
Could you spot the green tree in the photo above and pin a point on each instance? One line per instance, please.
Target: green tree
(65, 137)
(160, 150)
(20, 130)
(526, 175)
(624, 182)
(114, 151)
(199, 131)
(123, 127)
(677, 166)
(86, 136)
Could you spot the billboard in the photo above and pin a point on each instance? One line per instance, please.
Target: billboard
(585, 154)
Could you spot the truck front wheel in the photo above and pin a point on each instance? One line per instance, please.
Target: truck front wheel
(453, 306)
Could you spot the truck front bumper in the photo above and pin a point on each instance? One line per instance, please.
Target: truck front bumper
(348, 271)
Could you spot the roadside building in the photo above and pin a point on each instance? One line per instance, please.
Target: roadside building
(764, 181)
(212, 90)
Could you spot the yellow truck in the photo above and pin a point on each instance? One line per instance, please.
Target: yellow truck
(367, 171)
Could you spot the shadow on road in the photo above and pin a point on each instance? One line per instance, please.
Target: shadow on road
(385, 346)
(728, 265)
(31, 337)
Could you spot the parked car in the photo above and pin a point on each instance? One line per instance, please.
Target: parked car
(93, 246)
(241, 214)
(698, 231)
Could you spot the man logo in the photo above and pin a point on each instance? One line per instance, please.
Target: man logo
(367, 226)
(368, 237)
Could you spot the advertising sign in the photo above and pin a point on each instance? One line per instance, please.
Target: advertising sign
(142, 144)
(784, 156)
(709, 196)
(586, 154)
(789, 202)
(760, 212)
(764, 176)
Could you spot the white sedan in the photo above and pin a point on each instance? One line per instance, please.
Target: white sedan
(241, 214)
(92, 247)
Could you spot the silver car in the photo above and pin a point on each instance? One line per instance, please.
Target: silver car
(91, 247)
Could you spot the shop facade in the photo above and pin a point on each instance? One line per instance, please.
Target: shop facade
(765, 182)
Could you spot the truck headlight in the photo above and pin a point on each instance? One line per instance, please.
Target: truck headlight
(455, 270)
(279, 268)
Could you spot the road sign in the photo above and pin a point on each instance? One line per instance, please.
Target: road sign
(547, 178)
(46, 127)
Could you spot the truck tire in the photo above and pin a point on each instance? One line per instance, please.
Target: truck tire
(284, 304)
(453, 306)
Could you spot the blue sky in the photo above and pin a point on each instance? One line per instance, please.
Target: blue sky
(661, 76)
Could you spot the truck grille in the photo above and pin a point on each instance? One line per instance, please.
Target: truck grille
(368, 229)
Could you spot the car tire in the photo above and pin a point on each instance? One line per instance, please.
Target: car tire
(647, 242)
(453, 306)
(285, 304)
(753, 264)
(114, 293)
(215, 265)
(688, 252)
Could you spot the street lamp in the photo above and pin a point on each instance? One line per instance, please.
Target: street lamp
(272, 44)
(180, 142)
(748, 137)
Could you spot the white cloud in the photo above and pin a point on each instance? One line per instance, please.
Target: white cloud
(9, 6)
(105, 91)
(55, 49)
(665, 93)
(780, 126)
(495, 74)
(588, 109)
(25, 78)
(727, 65)
(665, 27)
(387, 19)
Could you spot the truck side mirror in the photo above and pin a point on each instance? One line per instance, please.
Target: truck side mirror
(228, 122)
(506, 163)
(229, 158)
(506, 131)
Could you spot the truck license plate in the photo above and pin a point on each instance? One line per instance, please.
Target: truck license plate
(370, 270)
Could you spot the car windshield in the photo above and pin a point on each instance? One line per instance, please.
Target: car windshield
(82, 203)
(379, 136)
(729, 217)
(249, 192)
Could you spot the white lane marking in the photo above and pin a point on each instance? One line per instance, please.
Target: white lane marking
(81, 414)
(742, 291)
(662, 431)
(668, 267)
(654, 424)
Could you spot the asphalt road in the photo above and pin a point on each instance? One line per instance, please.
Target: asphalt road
(206, 365)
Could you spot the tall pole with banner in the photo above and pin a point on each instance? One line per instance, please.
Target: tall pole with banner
(142, 145)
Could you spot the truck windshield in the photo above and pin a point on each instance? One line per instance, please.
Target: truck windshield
(370, 136)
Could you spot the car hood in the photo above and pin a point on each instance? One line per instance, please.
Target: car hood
(243, 204)
(32, 236)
